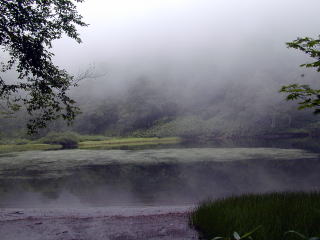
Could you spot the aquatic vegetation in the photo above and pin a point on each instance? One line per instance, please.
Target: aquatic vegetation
(277, 213)
(83, 157)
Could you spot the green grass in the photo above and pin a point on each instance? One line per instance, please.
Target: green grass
(27, 147)
(18, 141)
(277, 213)
(84, 138)
(127, 142)
(94, 143)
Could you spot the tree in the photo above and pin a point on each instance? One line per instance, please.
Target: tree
(308, 97)
(27, 30)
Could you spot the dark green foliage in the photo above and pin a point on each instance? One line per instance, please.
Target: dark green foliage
(277, 213)
(27, 29)
(309, 46)
(308, 97)
(66, 139)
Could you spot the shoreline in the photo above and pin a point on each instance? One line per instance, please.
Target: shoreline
(114, 223)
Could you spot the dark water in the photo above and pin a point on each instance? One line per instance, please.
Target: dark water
(171, 175)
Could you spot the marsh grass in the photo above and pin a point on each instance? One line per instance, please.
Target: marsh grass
(17, 141)
(115, 142)
(55, 141)
(4, 148)
(84, 138)
(277, 213)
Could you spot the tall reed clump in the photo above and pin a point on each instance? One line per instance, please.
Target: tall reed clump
(276, 213)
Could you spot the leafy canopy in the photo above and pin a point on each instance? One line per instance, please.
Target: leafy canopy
(27, 29)
(309, 98)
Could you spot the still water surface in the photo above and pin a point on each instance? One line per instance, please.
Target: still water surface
(171, 175)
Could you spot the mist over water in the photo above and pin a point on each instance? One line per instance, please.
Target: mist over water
(151, 177)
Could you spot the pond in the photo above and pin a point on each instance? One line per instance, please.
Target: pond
(177, 175)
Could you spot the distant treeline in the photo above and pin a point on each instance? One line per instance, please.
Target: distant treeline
(150, 109)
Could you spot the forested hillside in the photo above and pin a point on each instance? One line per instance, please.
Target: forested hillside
(224, 106)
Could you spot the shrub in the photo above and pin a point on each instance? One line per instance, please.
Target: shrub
(66, 139)
(22, 141)
(277, 213)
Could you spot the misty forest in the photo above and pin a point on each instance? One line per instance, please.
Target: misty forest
(159, 119)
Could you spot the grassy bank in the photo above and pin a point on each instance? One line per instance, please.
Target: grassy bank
(276, 213)
(118, 142)
(86, 143)
(27, 147)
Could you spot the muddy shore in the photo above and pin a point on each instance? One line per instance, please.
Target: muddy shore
(112, 223)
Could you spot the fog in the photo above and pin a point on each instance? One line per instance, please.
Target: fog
(194, 43)
(140, 35)
(222, 60)
(178, 102)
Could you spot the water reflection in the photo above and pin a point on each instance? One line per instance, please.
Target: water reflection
(164, 180)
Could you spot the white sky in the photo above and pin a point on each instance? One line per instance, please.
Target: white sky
(145, 30)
